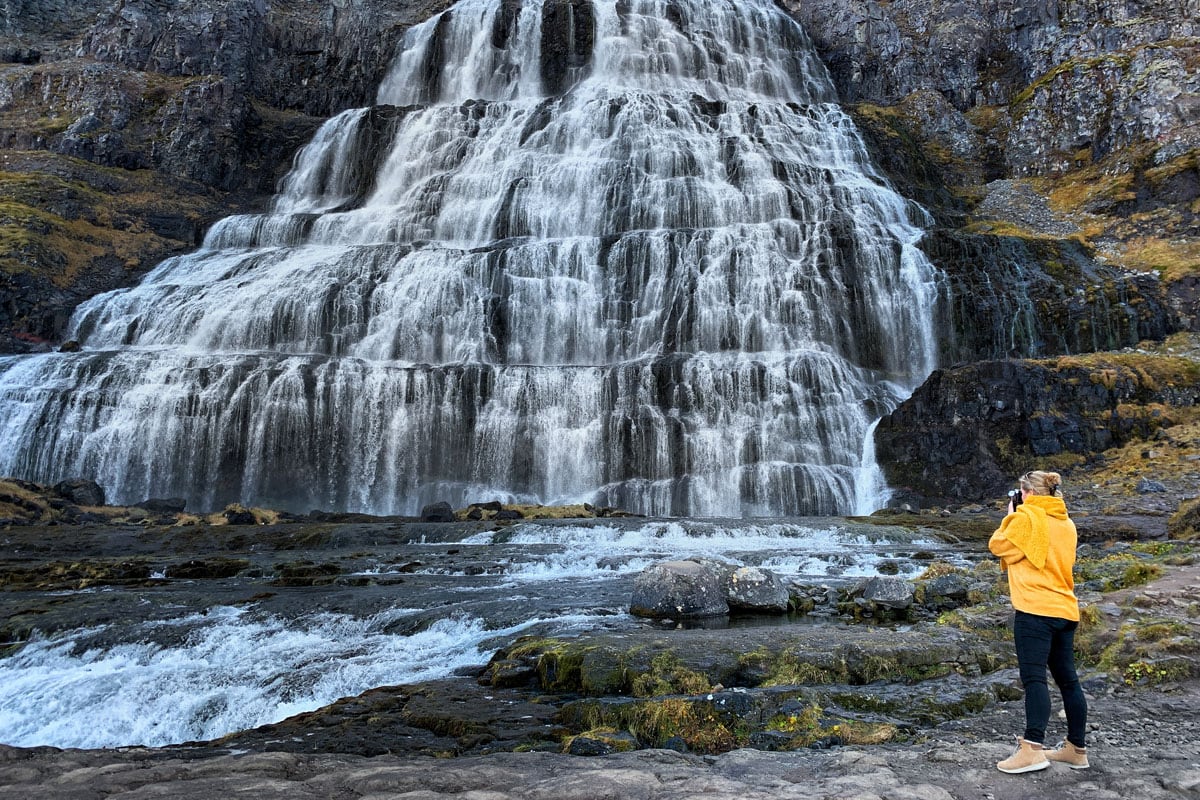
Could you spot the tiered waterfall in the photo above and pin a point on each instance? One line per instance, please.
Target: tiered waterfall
(630, 252)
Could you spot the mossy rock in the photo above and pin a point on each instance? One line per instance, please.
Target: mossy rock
(1185, 522)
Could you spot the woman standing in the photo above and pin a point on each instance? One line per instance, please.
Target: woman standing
(1036, 546)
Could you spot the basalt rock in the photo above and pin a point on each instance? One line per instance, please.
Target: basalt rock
(81, 491)
(967, 431)
(756, 589)
(680, 590)
(1021, 296)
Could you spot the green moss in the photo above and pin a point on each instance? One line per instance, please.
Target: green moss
(1149, 651)
(704, 728)
(668, 676)
(1138, 574)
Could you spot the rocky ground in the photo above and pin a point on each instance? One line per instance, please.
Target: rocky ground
(1145, 742)
(917, 708)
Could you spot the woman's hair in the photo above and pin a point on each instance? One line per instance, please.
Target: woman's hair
(1038, 482)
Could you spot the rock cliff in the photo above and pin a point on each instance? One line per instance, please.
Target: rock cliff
(126, 128)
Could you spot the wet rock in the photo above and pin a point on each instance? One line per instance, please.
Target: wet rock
(305, 573)
(164, 505)
(207, 568)
(756, 589)
(680, 590)
(81, 491)
(437, 512)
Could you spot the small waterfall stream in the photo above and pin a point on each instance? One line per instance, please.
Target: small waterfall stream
(623, 251)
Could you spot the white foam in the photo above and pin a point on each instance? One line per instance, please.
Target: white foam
(235, 669)
(555, 552)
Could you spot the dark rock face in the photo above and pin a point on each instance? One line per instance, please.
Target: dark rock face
(1012, 296)
(968, 431)
(1068, 75)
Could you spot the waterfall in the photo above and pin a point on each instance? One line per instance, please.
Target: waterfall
(624, 251)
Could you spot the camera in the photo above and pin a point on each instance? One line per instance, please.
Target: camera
(1015, 496)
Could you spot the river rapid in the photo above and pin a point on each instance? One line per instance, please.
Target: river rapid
(316, 612)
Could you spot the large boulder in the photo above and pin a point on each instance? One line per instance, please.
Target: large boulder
(757, 590)
(80, 491)
(894, 593)
(680, 590)
(437, 512)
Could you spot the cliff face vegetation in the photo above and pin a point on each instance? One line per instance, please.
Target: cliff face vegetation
(1055, 145)
(128, 127)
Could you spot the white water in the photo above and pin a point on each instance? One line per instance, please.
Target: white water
(205, 675)
(236, 670)
(661, 274)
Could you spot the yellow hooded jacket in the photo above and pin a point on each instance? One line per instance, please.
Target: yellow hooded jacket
(1036, 544)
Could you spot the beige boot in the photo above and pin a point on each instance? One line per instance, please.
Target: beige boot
(1067, 753)
(1028, 758)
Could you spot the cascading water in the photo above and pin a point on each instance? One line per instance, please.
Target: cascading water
(626, 251)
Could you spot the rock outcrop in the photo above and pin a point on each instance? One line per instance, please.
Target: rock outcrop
(127, 128)
(968, 431)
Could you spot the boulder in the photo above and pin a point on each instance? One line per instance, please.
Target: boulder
(81, 492)
(967, 431)
(164, 505)
(680, 590)
(437, 512)
(756, 589)
(236, 514)
(893, 593)
(1148, 486)
(952, 586)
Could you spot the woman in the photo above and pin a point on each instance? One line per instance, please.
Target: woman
(1036, 545)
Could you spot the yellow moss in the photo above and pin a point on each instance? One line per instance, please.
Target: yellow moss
(938, 569)
(668, 676)
(1119, 60)
(1173, 259)
(861, 733)
(659, 720)
(1185, 522)
(607, 734)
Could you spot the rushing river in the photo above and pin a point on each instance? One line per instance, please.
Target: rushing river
(184, 660)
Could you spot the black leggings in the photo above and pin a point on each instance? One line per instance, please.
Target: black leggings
(1049, 642)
